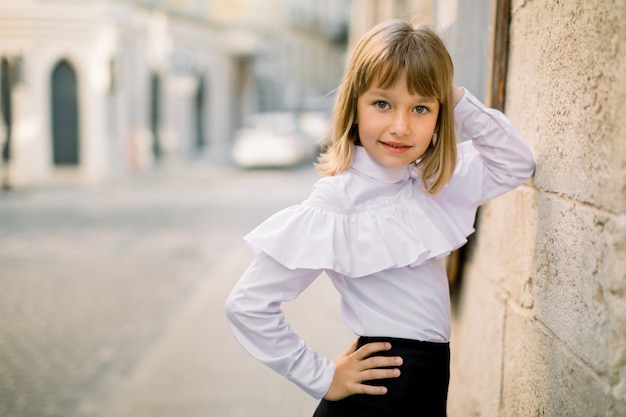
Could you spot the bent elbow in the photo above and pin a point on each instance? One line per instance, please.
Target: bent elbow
(232, 309)
(523, 167)
(525, 171)
(531, 169)
(529, 161)
(528, 168)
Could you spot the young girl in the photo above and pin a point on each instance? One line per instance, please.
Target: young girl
(397, 196)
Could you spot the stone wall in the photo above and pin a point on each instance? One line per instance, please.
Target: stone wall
(540, 321)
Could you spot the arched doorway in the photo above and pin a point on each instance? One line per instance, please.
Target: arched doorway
(199, 111)
(6, 108)
(64, 93)
(155, 113)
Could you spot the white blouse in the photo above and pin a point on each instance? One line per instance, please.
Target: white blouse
(381, 239)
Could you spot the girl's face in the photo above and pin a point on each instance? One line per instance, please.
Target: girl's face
(395, 126)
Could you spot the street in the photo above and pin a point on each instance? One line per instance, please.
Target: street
(112, 296)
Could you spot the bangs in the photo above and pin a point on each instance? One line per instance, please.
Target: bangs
(420, 77)
(427, 68)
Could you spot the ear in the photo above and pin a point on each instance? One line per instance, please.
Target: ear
(438, 124)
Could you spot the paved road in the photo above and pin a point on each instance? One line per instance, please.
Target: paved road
(112, 297)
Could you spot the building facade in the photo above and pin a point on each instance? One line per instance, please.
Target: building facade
(95, 89)
(539, 316)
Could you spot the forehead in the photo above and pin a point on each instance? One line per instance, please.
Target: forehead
(415, 75)
(399, 83)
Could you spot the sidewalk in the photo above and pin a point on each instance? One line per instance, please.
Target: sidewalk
(197, 369)
(113, 297)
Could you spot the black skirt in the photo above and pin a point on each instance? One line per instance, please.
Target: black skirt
(420, 390)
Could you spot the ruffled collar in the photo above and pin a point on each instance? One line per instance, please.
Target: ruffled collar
(365, 164)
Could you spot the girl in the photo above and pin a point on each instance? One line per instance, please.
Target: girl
(397, 196)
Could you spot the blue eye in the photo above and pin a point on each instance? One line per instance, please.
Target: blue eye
(421, 109)
(382, 105)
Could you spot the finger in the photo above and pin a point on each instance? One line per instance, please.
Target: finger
(381, 362)
(370, 389)
(372, 374)
(370, 348)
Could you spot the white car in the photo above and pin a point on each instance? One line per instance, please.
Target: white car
(276, 140)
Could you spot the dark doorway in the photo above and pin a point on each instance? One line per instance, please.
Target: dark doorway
(7, 119)
(65, 138)
(199, 114)
(6, 108)
(155, 114)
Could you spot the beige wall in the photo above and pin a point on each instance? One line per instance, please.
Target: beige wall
(541, 321)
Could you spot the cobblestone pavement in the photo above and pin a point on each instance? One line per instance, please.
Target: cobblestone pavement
(112, 297)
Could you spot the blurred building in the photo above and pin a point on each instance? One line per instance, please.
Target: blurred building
(94, 88)
(463, 25)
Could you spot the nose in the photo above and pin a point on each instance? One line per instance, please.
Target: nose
(399, 125)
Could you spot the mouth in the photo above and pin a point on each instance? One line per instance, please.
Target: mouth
(396, 147)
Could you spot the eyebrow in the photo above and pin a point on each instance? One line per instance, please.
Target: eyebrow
(382, 92)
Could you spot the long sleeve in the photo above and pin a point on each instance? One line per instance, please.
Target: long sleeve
(259, 325)
(494, 160)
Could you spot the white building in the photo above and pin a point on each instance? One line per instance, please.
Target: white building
(96, 88)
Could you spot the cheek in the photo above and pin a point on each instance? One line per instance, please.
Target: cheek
(424, 130)
(361, 115)
(364, 126)
(369, 131)
(431, 124)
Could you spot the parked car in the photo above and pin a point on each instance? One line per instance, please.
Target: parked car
(277, 139)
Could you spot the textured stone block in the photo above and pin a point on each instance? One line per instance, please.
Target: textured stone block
(541, 376)
(580, 281)
(507, 232)
(566, 92)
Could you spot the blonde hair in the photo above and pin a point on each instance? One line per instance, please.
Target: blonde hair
(382, 54)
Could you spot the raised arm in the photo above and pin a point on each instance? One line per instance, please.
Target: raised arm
(495, 160)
